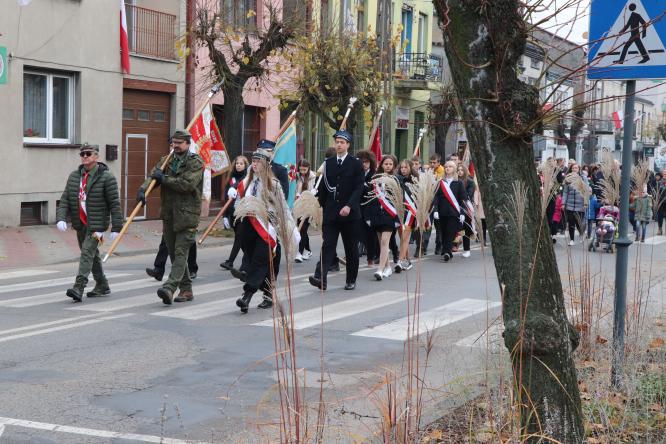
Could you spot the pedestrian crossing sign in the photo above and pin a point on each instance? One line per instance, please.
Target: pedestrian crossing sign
(627, 39)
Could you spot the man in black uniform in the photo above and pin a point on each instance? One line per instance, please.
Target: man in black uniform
(279, 171)
(339, 194)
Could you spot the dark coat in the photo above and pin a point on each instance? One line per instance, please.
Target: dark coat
(441, 204)
(181, 192)
(234, 181)
(348, 181)
(102, 203)
(282, 175)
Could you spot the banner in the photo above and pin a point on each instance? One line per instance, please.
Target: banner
(206, 136)
(285, 155)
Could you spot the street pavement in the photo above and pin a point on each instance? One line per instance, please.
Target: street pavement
(126, 368)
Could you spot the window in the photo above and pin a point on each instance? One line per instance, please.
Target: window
(251, 128)
(534, 63)
(423, 34)
(239, 13)
(159, 116)
(143, 115)
(48, 107)
(32, 213)
(128, 114)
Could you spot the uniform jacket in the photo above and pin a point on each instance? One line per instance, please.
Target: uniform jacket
(441, 204)
(181, 192)
(347, 181)
(282, 175)
(102, 203)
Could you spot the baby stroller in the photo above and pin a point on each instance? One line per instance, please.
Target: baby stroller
(604, 234)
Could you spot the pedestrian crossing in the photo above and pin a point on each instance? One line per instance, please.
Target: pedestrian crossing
(135, 295)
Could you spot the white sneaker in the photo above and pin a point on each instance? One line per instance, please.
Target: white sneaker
(298, 258)
(387, 272)
(379, 275)
(572, 243)
(466, 254)
(406, 265)
(307, 254)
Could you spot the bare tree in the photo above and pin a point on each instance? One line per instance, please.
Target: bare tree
(484, 41)
(239, 52)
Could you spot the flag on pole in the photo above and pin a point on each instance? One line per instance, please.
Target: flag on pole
(376, 147)
(618, 119)
(206, 136)
(285, 154)
(124, 40)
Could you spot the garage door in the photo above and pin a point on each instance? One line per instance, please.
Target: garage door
(146, 116)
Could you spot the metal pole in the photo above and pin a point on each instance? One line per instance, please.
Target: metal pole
(623, 240)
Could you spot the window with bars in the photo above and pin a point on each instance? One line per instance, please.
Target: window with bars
(239, 13)
(48, 107)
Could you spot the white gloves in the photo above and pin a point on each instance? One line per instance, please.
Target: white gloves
(99, 235)
(225, 222)
(113, 235)
(62, 225)
(232, 193)
(436, 215)
(462, 218)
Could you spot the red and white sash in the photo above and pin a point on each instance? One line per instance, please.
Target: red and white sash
(410, 211)
(384, 202)
(267, 233)
(83, 197)
(446, 190)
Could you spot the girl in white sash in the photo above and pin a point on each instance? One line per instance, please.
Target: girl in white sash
(447, 208)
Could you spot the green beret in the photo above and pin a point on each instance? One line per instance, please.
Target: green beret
(87, 147)
(181, 134)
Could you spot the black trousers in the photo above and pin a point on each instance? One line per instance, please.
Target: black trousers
(350, 233)
(238, 236)
(304, 244)
(163, 254)
(257, 260)
(468, 233)
(449, 226)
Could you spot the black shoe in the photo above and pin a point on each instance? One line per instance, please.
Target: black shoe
(239, 274)
(99, 290)
(438, 251)
(193, 275)
(227, 265)
(75, 294)
(334, 267)
(446, 257)
(244, 302)
(350, 285)
(153, 273)
(266, 303)
(166, 295)
(316, 282)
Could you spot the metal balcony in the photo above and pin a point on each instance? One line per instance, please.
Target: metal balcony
(417, 66)
(151, 33)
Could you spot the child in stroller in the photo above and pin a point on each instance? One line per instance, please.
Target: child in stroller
(606, 228)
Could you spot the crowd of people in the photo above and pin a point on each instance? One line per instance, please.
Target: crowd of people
(370, 204)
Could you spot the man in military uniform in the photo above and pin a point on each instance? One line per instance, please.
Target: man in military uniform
(90, 198)
(182, 183)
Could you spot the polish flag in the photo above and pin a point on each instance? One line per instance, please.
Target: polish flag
(124, 40)
(618, 119)
(376, 147)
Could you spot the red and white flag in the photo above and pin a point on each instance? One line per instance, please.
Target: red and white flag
(376, 146)
(206, 135)
(618, 119)
(124, 40)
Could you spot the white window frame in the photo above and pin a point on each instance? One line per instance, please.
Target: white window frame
(49, 108)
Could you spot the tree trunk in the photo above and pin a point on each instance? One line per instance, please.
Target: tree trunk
(232, 118)
(484, 41)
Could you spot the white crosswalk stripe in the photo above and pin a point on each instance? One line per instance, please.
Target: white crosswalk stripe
(655, 240)
(24, 273)
(429, 320)
(491, 337)
(59, 296)
(48, 283)
(339, 310)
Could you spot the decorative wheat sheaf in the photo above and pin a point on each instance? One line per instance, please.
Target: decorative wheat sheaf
(423, 190)
(307, 207)
(575, 181)
(640, 174)
(251, 206)
(389, 184)
(610, 184)
(549, 173)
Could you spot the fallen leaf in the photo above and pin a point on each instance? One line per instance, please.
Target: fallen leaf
(659, 323)
(582, 328)
(601, 339)
(656, 343)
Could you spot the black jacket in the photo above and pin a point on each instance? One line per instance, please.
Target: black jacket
(441, 204)
(282, 175)
(347, 181)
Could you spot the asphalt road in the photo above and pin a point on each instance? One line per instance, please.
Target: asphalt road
(126, 368)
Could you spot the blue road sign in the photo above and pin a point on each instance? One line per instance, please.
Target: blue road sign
(627, 39)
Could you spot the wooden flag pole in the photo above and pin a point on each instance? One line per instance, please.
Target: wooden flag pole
(219, 214)
(375, 127)
(152, 183)
(417, 148)
(352, 101)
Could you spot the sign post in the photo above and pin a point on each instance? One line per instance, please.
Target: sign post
(626, 42)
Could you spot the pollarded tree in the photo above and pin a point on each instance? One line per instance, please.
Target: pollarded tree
(243, 50)
(484, 40)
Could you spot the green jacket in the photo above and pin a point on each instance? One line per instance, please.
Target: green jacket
(102, 200)
(643, 208)
(181, 192)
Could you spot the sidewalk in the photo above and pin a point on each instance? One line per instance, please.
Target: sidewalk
(44, 244)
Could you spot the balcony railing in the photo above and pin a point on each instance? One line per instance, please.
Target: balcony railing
(418, 66)
(151, 33)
